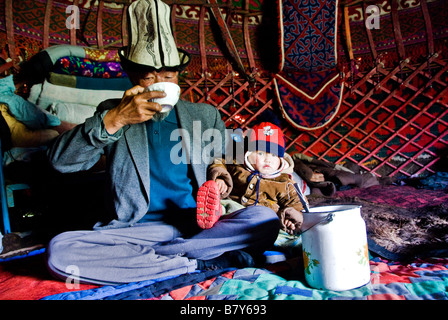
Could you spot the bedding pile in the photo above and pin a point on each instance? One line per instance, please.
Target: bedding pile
(66, 84)
(79, 78)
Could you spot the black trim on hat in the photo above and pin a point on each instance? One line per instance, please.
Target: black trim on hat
(131, 66)
(267, 146)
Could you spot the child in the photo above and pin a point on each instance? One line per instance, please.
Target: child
(260, 181)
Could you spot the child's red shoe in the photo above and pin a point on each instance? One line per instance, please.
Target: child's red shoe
(209, 208)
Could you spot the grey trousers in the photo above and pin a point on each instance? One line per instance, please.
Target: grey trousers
(156, 249)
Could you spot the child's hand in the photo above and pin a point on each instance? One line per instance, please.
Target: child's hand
(222, 186)
(290, 226)
(291, 220)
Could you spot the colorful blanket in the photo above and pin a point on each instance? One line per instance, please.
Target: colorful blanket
(424, 278)
(420, 280)
(79, 66)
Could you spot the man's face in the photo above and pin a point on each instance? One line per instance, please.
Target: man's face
(147, 79)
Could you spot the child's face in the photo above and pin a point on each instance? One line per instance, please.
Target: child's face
(264, 162)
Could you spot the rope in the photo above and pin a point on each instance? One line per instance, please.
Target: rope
(216, 11)
(257, 174)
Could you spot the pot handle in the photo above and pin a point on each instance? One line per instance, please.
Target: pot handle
(302, 198)
(327, 219)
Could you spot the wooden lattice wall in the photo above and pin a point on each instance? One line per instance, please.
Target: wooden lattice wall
(393, 120)
(388, 123)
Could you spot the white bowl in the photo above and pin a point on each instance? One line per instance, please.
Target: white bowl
(172, 91)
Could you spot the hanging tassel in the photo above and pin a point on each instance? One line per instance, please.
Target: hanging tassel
(204, 66)
(206, 74)
(428, 61)
(348, 38)
(378, 64)
(233, 88)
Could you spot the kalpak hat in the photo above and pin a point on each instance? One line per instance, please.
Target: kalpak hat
(151, 46)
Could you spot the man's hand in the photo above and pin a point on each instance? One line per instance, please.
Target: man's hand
(135, 107)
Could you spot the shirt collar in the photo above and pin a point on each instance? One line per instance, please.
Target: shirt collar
(172, 117)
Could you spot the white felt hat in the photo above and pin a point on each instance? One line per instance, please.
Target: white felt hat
(152, 45)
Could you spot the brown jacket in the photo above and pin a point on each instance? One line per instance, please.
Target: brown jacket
(277, 193)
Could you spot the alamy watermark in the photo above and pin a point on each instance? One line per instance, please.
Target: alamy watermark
(72, 21)
(72, 281)
(202, 147)
(373, 18)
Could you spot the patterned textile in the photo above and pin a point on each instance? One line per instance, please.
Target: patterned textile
(102, 55)
(309, 34)
(28, 28)
(389, 281)
(309, 100)
(420, 280)
(89, 68)
(436, 181)
(403, 196)
(413, 31)
(308, 87)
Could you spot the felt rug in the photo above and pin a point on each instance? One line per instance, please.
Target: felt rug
(28, 279)
(309, 101)
(308, 85)
(403, 223)
(308, 32)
